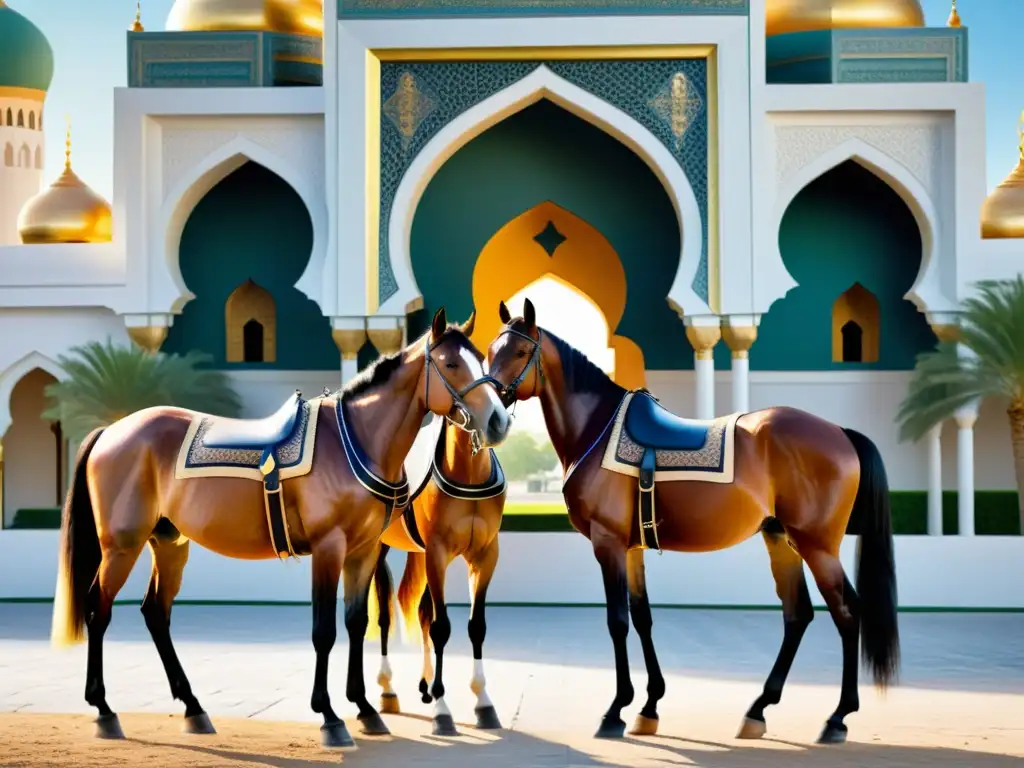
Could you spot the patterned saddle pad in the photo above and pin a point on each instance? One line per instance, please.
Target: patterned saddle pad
(713, 462)
(294, 455)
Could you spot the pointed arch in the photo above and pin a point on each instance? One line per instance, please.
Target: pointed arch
(204, 176)
(10, 117)
(925, 293)
(15, 372)
(856, 331)
(21, 118)
(250, 320)
(9, 155)
(542, 83)
(31, 121)
(39, 157)
(24, 157)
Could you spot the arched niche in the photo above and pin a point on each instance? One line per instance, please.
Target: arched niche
(251, 225)
(544, 154)
(856, 331)
(9, 155)
(34, 450)
(250, 320)
(847, 226)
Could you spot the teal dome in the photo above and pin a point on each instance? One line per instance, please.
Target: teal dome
(26, 58)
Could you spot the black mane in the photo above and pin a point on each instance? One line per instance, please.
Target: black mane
(581, 375)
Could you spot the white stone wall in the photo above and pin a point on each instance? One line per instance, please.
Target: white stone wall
(22, 155)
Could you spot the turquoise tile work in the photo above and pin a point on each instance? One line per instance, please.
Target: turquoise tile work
(382, 9)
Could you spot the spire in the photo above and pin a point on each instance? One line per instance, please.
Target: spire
(137, 24)
(954, 17)
(67, 143)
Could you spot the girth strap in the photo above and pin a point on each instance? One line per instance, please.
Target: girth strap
(273, 502)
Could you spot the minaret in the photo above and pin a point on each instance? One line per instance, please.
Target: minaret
(23, 87)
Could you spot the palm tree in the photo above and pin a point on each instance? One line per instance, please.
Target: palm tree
(106, 382)
(992, 328)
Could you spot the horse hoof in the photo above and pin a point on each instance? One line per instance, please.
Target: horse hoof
(444, 725)
(611, 729)
(644, 726)
(425, 696)
(389, 704)
(336, 736)
(108, 727)
(199, 725)
(752, 729)
(373, 725)
(487, 719)
(834, 733)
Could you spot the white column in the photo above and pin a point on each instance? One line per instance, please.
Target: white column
(704, 338)
(934, 440)
(965, 419)
(349, 335)
(740, 338)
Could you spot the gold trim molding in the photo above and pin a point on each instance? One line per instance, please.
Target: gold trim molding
(387, 341)
(703, 339)
(349, 342)
(148, 337)
(739, 339)
(31, 94)
(946, 331)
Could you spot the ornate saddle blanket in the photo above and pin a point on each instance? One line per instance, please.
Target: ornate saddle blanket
(654, 445)
(270, 450)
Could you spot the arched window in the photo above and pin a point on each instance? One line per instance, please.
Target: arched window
(21, 118)
(9, 155)
(32, 120)
(250, 319)
(24, 157)
(10, 117)
(39, 157)
(855, 326)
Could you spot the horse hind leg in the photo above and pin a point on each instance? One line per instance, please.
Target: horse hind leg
(170, 554)
(797, 614)
(640, 610)
(383, 592)
(481, 570)
(426, 617)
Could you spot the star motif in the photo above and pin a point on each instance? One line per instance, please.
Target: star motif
(408, 107)
(549, 239)
(677, 104)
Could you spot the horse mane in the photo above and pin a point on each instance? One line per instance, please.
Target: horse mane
(580, 374)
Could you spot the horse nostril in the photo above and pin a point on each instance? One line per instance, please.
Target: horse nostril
(495, 425)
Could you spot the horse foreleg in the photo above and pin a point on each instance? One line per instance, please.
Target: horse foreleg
(383, 586)
(328, 556)
(440, 632)
(797, 614)
(169, 559)
(358, 573)
(426, 617)
(640, 609)
(481, 570)
(611, 556)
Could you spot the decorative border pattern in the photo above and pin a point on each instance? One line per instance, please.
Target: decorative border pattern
(381, 9)
(667, 96)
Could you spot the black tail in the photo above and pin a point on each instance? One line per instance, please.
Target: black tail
(876, 566)
(80, 554)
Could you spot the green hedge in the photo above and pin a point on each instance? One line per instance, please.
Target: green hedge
(995, 514)
(42, 519)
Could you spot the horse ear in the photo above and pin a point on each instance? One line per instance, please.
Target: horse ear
(504, 314)
(467, 327)
(529, 314)
(439, 325)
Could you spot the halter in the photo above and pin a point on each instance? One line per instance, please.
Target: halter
(459, 406)
(508, 394)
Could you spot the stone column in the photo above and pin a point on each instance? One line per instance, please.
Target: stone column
(740, 338)
(148, 331)
(349, 335)
(935, 481)
(704, 337)
(965, 420)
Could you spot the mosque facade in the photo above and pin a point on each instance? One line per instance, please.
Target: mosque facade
(769, 202)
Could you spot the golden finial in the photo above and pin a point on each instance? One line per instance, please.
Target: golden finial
(137, 24)
(67, 144)
(954, 17)
(1020, 137)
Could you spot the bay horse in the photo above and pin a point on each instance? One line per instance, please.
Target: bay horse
(456, 512)
(797, 480)
(125, 494)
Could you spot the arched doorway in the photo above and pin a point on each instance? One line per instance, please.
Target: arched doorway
(34, 451)
(854, 248)
(244, 246)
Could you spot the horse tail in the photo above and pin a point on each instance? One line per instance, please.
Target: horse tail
(80, 554)
(876, 566)
(381, 593)
(410, 592)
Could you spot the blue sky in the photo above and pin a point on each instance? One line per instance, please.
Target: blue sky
(88, 39)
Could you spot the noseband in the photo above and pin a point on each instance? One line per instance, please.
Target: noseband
(459, 406)
(508, 394)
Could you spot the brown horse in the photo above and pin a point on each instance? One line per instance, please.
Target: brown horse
(456, 512)
(125, 493)
(797, 479)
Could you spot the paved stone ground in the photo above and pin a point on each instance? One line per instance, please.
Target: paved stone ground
(961, 701)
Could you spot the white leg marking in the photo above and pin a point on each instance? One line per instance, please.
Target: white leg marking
(479, 685)
(385, 675)
(440, 708)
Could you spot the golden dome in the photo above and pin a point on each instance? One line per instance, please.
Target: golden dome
(68, 212)
(296, 17)
(1002, 214)
(806, 15)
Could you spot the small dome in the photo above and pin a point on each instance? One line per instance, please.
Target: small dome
(1002, 213)
(26, 58)
(783, 16)
(296, 17)
(68, 212)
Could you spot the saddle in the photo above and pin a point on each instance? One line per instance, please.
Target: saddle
(264, 435)
(654, 428)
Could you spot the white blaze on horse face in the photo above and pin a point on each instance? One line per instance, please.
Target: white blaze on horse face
(476, 370)
(479, 685)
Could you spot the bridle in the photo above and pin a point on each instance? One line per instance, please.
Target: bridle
(508, 394)
(459, 407)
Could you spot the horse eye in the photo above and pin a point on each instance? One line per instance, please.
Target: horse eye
(521, 353)
(452, 364)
